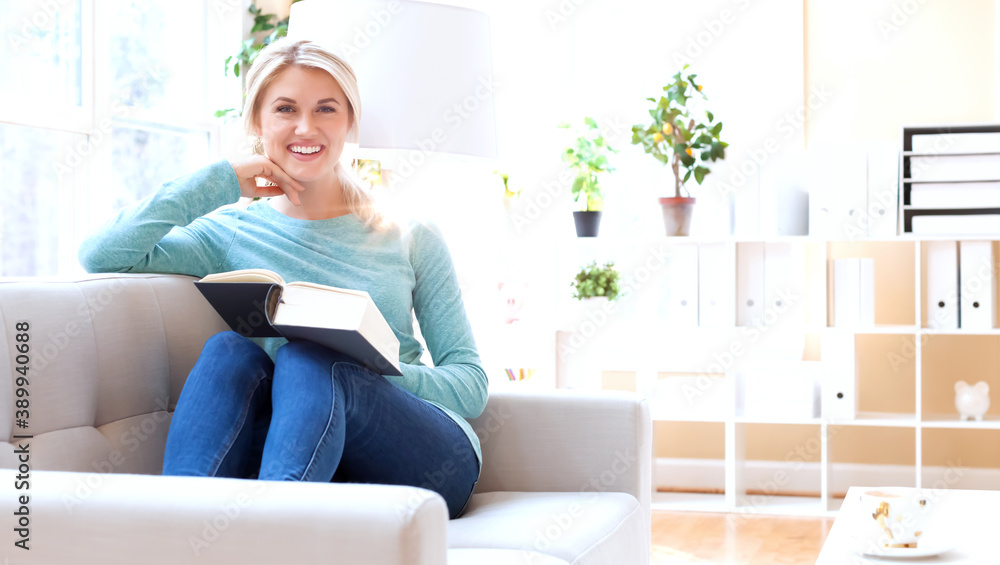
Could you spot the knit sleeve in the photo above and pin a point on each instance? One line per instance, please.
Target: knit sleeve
(457, 381)
(167, 232)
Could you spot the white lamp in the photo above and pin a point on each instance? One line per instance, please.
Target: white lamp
(424, 71)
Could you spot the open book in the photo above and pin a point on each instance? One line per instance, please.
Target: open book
(259, 303)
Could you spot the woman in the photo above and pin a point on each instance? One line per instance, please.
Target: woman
(283, 410)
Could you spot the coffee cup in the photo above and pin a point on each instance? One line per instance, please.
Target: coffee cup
(898, 517)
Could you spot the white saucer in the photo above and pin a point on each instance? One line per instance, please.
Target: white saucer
(923, 550)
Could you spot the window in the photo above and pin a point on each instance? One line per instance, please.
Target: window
(101, 103)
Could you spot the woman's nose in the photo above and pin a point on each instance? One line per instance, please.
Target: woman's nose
(304, 124)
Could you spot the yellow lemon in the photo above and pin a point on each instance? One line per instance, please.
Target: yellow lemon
(657, 137)
(699, 88)
(688, 151)
(668, 128)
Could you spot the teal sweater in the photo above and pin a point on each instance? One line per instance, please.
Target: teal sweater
(405, 269)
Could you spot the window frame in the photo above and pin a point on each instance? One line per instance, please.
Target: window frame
(226, 22)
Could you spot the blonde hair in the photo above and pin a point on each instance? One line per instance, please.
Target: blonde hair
(274, 60)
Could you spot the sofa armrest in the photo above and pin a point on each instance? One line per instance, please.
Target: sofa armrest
(566, 440)
(93, 518)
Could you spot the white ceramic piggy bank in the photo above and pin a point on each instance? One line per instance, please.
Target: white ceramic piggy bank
(972, 401)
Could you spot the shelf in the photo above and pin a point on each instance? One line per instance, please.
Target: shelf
(948, 154)
(688, 501)
(878, 419)
(660, 416)
(753, 504)
(951, 421)
(759, 420)
(933, 331)
(946, 181)
(876, 329)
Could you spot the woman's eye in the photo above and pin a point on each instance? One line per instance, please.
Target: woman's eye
(283, 109)
(327, 109)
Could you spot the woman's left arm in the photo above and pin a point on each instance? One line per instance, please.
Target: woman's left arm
(457, 380)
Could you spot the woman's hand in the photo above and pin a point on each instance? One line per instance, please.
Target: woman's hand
(249, 169)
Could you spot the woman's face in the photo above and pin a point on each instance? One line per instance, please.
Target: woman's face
(304, 121)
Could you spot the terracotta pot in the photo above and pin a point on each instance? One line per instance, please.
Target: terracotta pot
(587, 223)
(677, 215)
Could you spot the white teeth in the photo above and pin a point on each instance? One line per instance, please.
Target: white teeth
(305, 150)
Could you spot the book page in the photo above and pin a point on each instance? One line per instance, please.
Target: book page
(246, 275)
(322, 287)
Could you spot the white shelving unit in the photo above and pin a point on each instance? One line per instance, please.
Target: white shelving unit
(637, 339)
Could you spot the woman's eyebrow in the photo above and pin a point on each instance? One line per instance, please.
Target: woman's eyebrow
(323, 101)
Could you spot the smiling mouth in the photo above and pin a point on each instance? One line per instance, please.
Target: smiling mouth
(305, 149)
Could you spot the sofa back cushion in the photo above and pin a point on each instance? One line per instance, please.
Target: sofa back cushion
(108, 356)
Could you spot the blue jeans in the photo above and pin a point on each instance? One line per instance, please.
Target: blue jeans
(312, 415)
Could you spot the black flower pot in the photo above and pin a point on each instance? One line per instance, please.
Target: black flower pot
(587, 223)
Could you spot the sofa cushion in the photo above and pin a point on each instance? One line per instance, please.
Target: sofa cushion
(500, 557)
(577, 527)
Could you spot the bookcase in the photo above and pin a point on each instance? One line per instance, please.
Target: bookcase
(752, 457)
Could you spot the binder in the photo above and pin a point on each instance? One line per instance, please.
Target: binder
(955, 167)
(883, 189)
(784, 194)
(977, 281)
(713, 297)
(839, 399)
(955, 195)
(854, 293)
(680, 286)
(749, 284)
(784, 284)
(942, 285)
(838, 192)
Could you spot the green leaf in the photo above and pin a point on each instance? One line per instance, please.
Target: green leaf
(590, 122)
(578, 186)
(687, 175)
(711, 117)
(236, 69)
(717, 129)
(699, 174)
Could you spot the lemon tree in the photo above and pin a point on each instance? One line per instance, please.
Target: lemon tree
(589, 156)
(680, 136)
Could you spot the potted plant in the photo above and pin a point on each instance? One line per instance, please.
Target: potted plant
(589, 157)
(596, 282)
(682, 139)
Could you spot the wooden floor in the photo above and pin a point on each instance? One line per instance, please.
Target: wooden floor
(724, 539)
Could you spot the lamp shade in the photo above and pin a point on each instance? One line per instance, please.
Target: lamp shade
(424, 70)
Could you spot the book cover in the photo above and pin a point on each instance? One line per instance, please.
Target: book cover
(257, 303)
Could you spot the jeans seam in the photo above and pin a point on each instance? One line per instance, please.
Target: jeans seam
(324, 437)
(235, 432)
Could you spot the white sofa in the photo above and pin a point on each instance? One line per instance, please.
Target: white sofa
(566, 476)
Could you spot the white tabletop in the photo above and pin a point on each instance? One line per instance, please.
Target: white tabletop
(968, 521)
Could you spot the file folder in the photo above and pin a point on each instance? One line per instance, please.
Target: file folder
(942, 285)
(977, 281)
(854, 293)
(750, 284)
(839, 400)
(714, 298)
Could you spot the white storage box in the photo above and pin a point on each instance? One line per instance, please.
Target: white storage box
(693, 398)
(779, 390)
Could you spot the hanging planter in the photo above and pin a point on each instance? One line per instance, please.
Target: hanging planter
(682, 142)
